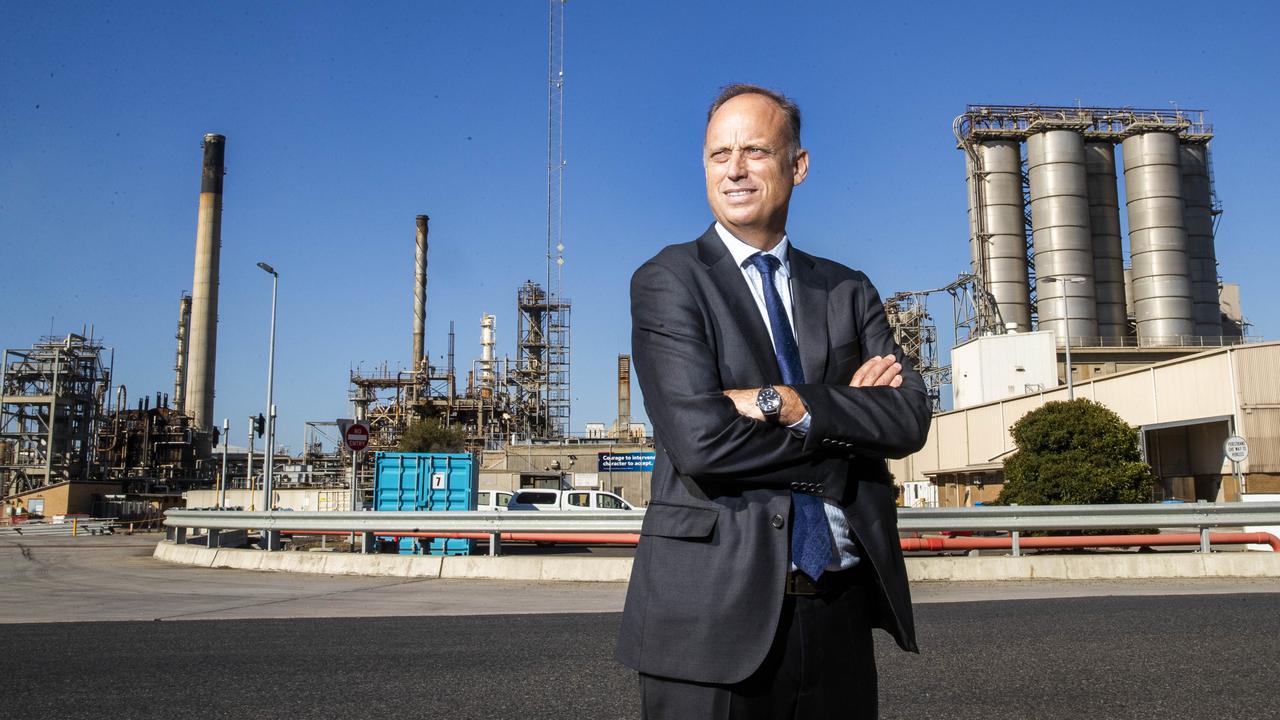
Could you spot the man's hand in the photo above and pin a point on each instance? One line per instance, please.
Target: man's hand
(744, 401)
(878, 371)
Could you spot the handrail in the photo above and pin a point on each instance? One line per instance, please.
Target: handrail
(475, 521)
(1013, 519)
(1089, 517)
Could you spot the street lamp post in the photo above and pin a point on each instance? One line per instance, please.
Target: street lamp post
(1067, 281)
(271, 539)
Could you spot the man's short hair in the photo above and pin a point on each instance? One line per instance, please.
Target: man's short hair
(784, 103)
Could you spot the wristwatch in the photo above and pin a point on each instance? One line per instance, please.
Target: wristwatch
(770, 403)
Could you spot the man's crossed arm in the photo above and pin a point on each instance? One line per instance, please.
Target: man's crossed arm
(878, 371)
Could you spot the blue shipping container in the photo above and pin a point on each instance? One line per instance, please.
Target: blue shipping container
(426, 482)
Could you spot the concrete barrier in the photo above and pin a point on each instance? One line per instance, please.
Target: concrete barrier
(1126, 566)
(1119, 566)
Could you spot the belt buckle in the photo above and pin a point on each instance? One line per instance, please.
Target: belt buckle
(800, 584)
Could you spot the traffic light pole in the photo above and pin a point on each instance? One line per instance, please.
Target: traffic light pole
(222, 479)
(248, 479)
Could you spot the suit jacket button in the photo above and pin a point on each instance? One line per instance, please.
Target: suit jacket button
(777, 521)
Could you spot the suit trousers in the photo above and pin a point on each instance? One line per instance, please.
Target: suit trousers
(820, 666)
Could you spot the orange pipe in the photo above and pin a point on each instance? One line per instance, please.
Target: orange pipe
(1088, 541)
(934, 544)
(593, 538)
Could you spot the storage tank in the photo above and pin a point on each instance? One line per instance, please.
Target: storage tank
(1000, 187)
(1062, 238)
(1157, 239)
(1202, 263)
(1108, 253)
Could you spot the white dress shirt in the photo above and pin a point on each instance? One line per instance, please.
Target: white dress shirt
(841, 535)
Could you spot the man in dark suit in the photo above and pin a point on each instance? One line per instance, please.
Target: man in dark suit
(770, 548)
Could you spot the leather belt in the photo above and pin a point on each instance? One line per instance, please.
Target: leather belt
(800, 584)
(831, 581)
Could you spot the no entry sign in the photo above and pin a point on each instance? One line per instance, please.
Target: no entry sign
(357, 436)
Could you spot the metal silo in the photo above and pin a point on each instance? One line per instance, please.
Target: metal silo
(1157, 239)
(998, 241)
(1060, 230)
(1202, 263)
(1108, 255)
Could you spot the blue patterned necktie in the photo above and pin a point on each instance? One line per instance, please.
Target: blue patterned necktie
(811, 546)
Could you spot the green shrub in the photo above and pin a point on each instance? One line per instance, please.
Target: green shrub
(1075, 453)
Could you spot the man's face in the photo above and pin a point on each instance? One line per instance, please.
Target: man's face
(749, 168)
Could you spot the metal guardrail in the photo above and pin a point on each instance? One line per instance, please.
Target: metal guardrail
(1089, 517)
(91, 526)
(478, 521)
(1012, 519)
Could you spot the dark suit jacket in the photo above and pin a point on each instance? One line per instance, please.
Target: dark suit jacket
(707, 584)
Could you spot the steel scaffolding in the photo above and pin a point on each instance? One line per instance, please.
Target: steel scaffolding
(50, 401)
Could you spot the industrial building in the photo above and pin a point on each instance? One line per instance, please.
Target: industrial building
(1049, 300)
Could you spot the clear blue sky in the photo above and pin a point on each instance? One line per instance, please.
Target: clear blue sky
(342, 124)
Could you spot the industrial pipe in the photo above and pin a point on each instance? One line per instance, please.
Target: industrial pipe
(202, 338)
(420, 293)
(930, 544)
(1064, 542)
(593, 538)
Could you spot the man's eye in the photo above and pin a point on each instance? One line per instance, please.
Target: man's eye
(720, 156)
(757, 152)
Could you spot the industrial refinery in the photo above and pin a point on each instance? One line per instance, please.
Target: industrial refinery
(1049, 308)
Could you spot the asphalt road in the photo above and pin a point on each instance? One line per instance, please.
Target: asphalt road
(198, 643)
(1187, 656)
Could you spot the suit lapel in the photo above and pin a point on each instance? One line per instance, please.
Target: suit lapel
(727, 278)
(809, 299)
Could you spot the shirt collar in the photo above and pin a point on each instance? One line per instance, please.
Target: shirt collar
(741, 251)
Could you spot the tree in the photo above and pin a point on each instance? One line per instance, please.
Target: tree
(1075, 453)
(431, 435)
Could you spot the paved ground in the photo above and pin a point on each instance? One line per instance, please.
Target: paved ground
(1127, 658)
(450, 649)
(115, 578)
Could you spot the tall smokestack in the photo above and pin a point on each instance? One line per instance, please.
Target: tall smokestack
(420, 293)
(203, 338)
(624, 396)
(180, 362)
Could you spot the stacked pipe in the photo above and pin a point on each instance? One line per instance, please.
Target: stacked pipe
(998, 245)
(1061, 233)
(1172, 288)
(420, 292)
(1158, 238)
(180, 361)
(1202, 262)
(624, 396)
(1108, 255)
(203, 337)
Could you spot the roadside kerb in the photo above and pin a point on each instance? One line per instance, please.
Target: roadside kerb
(1118, 566)
(534, 569)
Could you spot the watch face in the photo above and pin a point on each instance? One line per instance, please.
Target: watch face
(769, 401)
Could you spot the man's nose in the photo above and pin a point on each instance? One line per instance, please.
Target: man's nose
(737, 166)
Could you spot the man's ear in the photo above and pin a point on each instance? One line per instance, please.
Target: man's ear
(800, 168)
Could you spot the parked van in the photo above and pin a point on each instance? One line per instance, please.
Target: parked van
(546, 499)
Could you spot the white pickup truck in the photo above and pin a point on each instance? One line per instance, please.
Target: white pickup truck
(545, 499)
